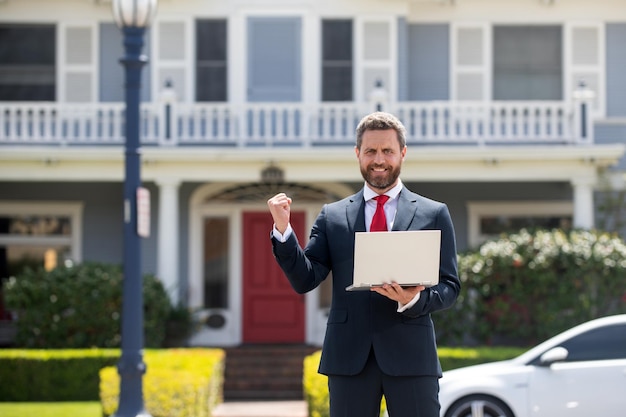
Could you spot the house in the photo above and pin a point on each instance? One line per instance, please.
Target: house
(515, 110)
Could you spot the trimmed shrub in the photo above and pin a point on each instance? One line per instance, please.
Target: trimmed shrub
(52, 375)
(315, 387)
(177, 383)
(80, 306)
(453, 358)
(528, 286)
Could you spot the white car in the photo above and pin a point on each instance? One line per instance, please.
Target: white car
(578, 373)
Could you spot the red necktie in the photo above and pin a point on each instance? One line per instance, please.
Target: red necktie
(379, 221)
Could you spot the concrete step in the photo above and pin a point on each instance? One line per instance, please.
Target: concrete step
(265, 372)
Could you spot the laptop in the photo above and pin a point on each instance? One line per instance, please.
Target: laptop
(409, 258)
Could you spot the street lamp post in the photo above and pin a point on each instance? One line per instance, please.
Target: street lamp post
(132, 17)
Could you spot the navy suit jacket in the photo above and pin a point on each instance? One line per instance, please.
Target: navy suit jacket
(404, 343)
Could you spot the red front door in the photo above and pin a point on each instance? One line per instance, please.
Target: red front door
(272, 311)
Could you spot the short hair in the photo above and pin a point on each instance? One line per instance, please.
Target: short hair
(380, 121)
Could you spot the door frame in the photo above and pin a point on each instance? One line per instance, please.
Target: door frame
(231, 333)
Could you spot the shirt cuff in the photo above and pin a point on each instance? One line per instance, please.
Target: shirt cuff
(408, 305)
(282, 237)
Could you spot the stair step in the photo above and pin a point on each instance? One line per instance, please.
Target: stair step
(265, 372)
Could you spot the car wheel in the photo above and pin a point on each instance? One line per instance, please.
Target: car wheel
(479, 406)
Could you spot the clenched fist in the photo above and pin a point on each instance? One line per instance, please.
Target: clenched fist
(280, 208)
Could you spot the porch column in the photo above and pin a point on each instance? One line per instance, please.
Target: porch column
(167, 249)
(583, 202)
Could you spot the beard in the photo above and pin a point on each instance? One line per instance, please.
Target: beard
(380, 182)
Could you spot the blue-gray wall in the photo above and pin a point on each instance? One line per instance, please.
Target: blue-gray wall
(111, 82)
(616, 69)
(457, 195)
(274, 59)
(426, 49)
(102, 216)
(103, 227)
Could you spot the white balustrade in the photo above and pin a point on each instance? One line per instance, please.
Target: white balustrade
(294, 124)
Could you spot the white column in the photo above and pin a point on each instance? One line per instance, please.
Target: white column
(583, 202)
(167, 245)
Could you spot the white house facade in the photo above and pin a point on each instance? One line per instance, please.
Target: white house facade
(515, 112)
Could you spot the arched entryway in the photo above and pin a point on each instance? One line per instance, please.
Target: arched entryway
(241, 295)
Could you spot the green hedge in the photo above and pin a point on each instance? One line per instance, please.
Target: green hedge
(52, 375)
(527, 286)
(177, 383)
(80, 306)
(316, 385)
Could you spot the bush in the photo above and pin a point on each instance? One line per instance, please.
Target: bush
(315, 387)
(179, 327)
(177, 383)
(80, 307)
(528, 286)
(52, 375)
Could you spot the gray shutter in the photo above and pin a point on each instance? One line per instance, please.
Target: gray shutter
(586, 60)
(77, 63)
(470, 62)
(172, 60)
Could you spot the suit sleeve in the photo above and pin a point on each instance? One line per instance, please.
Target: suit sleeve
(443, 295)
(305, 268)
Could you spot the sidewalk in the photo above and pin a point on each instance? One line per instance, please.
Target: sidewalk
(261, 409)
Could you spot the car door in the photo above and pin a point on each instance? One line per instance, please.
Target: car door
(590, 382)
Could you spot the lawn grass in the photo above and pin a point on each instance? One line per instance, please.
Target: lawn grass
(62, 409)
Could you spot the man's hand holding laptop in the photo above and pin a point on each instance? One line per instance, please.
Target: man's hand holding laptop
(398, 293)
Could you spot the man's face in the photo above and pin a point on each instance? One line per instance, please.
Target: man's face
(380, 159)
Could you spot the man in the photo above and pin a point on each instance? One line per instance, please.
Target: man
(378, 342)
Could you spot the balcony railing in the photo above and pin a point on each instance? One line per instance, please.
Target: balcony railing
(293, 124)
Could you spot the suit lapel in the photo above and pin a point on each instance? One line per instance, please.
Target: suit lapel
(355, 212)
(407, 208)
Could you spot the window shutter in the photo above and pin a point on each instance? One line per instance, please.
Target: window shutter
(585, 61)
(172, 56)
(77, 59)
(375, 56)
(471, 61)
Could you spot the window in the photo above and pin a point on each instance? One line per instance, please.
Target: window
(337, 60)
(27, 63)
(527, 63)
(216, 246)
(496, 224)
(604, 343)
(38, 235)
(490, 218)
(211, 60)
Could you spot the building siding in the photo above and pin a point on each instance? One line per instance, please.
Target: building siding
(428, 49)
(615, 65)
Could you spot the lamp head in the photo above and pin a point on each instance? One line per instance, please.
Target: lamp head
(133, 13)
